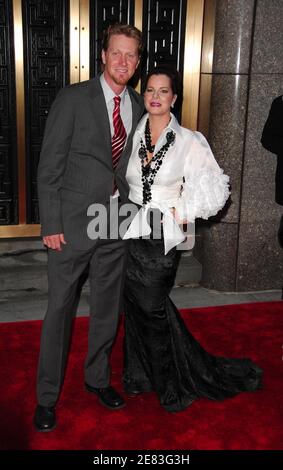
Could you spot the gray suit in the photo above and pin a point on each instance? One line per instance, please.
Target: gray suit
(75, 170)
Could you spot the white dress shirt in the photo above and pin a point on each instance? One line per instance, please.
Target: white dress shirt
(125, 106)
(189, 180)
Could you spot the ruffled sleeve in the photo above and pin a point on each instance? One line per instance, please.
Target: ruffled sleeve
(205, 189)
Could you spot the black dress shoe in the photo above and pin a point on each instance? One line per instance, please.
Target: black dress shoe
(44, 418)
(107, 397)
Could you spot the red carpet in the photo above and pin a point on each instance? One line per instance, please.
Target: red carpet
(248, 421)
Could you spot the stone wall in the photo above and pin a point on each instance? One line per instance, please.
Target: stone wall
(239, 250)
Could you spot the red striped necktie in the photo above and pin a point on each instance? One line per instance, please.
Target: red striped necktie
(119, 137)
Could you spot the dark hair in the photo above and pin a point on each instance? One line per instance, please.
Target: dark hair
(127, 30)
(171, 73)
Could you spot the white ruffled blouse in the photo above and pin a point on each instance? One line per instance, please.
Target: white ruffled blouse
(189, 180)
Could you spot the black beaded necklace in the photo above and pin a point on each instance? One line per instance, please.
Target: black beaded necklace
(147, 135)
(150, 168)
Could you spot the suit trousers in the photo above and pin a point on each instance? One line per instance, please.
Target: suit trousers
(106, 262)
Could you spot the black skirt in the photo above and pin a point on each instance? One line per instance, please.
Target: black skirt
(160, 354)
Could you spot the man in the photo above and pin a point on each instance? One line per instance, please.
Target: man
(86, 146)
(272, 140)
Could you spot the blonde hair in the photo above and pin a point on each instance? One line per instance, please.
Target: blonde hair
(127, 30)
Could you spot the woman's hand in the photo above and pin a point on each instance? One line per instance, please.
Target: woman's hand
(177, 218)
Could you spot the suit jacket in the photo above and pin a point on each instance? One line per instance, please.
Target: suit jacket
(272, 140)
(75, 167)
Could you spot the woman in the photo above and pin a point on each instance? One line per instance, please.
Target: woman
(171, 172)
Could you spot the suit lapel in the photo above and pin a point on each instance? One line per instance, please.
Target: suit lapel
(100, 113)
(136, 109)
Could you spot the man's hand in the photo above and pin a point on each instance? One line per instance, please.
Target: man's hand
(54, 241)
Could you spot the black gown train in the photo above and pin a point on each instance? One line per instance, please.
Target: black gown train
(160, 354)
